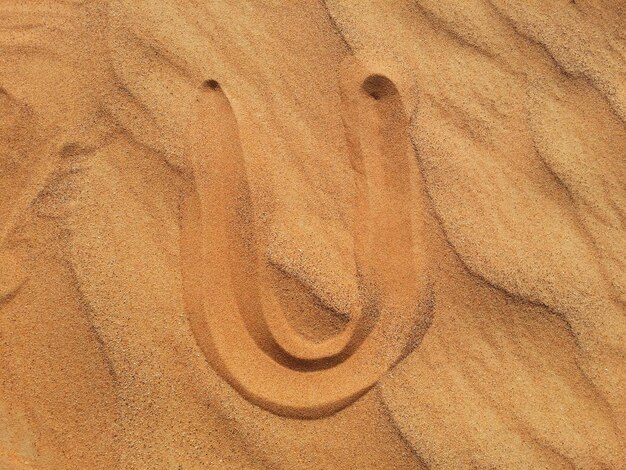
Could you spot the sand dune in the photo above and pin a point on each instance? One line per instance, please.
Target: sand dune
(314, 234)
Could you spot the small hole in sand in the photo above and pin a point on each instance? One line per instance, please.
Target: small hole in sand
(70, 150)
(211, 85)
(379, 87)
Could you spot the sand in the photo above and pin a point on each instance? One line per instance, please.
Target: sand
(312, 234)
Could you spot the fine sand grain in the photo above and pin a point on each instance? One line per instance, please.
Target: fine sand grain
(312, 234)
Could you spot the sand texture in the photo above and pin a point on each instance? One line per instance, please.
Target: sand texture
(332, 234)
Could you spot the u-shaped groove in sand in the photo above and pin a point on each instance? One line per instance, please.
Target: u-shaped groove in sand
(245, 336)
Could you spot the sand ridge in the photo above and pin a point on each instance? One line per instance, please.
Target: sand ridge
(403, 221)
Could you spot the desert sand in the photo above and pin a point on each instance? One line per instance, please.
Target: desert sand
(330, 234)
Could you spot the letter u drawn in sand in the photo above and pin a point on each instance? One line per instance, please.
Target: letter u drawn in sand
(243, 335)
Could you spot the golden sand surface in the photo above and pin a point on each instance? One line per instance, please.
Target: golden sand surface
(312, 234)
